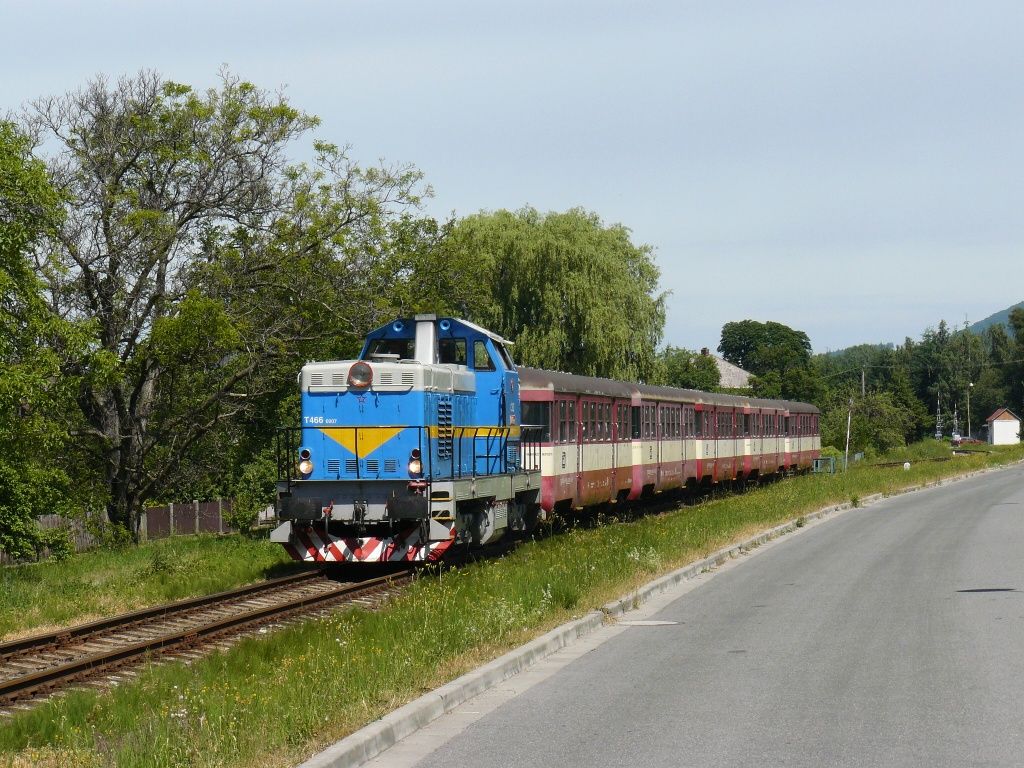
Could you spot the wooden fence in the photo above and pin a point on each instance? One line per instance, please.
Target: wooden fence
(183, 519)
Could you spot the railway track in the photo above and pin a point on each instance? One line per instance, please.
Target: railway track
(37, 666)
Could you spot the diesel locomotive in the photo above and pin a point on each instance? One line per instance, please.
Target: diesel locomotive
(433, 437)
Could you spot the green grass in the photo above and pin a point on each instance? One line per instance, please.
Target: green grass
(274, 700)
(105, 582)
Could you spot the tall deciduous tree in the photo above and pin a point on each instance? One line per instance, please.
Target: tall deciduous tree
(763, 347)
(573, 293)
(34, 417)
(777, 355)
(202, 259)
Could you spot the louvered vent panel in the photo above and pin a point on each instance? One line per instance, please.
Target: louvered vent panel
(445, 433)
(387, 377)
(408, 378)
(351, 465)
(338, 379)
(333, 465)
(391, 465)
(372, 465)
(316, 379)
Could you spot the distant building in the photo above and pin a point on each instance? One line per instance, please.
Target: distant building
(729, 376)
(1003, 427)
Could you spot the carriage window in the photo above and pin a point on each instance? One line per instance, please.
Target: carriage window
(746, 424)
(563, 427)
(451, 351)
(481, 357)
(538, 414)
(572, 422)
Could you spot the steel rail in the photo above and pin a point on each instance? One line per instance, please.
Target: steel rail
(43, 680)
(64, 635)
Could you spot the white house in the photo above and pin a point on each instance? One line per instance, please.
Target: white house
(1003, 427)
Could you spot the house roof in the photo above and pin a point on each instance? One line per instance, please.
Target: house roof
(729, 376)
(1003, 414)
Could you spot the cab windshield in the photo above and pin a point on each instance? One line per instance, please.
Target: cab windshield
(394, 349)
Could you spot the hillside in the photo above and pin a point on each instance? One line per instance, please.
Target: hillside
(1002, 316)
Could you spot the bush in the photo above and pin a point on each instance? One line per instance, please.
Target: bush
(253, 492)
(58, 542)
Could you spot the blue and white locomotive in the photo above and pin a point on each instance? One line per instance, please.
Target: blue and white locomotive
(413, 447)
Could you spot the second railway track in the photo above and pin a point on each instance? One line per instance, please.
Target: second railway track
(36, 666)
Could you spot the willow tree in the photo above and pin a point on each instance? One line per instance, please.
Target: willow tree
(203, 260)
(573, 293)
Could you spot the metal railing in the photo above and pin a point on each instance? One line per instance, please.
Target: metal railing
(443, 455)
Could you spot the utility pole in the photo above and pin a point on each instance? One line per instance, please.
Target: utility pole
(970, 386)
(862, 383)
(849, 415)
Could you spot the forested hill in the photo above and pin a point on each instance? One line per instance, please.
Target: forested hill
(999, 318)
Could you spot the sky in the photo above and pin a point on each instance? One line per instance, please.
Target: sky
(854, 170)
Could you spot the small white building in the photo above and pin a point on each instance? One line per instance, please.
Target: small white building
(1003, 427)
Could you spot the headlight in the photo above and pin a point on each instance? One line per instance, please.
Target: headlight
(360, 375)
(415, 465)
(305, 464)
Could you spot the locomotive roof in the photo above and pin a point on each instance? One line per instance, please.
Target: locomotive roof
(536, 378)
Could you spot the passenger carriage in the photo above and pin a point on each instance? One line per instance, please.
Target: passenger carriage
(607, 441)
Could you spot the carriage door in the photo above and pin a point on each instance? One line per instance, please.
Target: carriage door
(613, 443)
(582, 435)
(659, 434)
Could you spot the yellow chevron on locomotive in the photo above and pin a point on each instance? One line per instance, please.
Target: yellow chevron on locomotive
(362, 441)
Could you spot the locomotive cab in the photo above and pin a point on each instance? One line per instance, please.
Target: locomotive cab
(410, 446)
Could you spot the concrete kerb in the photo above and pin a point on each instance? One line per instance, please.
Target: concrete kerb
(368, 742)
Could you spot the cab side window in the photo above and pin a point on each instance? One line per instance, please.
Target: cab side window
(481, 357)
(451, 351)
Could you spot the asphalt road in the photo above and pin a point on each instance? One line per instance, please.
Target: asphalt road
(891, 635)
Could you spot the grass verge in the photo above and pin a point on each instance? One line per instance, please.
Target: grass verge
(274, 700)
(101, 583)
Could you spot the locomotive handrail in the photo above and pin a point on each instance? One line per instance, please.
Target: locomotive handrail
(527, 444)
